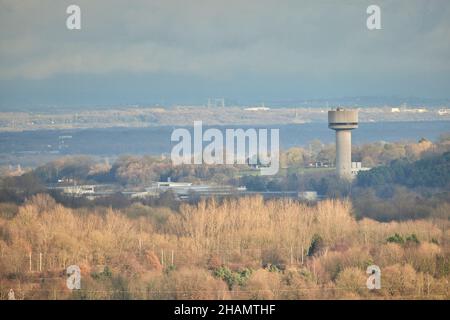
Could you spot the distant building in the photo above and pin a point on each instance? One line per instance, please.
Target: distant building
(89, 191)
(182, 190)
(443, 111)
(357, 167)
(79, 190)
(308, 195)
(257, 109)
(343, 121)
(416, 110)
(319, 164)
(165, 185)
(403, 108)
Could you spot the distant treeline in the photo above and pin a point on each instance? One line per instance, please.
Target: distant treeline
(408, 180)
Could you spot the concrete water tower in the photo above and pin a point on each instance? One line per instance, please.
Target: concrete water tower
(343, 121)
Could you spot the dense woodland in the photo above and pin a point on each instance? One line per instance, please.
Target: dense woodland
(244, 248)
(408, 180)
(395, 216)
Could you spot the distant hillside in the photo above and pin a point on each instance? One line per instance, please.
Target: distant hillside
(429, 172)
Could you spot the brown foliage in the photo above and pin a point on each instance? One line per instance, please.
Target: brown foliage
(260, 245)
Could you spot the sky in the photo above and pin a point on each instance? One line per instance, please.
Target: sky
(248, 51)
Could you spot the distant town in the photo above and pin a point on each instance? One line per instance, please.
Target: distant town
(212, 114)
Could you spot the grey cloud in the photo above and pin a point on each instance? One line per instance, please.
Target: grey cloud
(217, 39)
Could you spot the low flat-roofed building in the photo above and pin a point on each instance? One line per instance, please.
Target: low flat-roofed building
(308, 195)
(357, 167)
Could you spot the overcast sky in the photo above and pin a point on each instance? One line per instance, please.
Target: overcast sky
(143, 52)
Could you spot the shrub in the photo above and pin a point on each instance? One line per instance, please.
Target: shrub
(396, 238)
(316, 247)
(412, 239)
(232, 278)
(351, 281)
